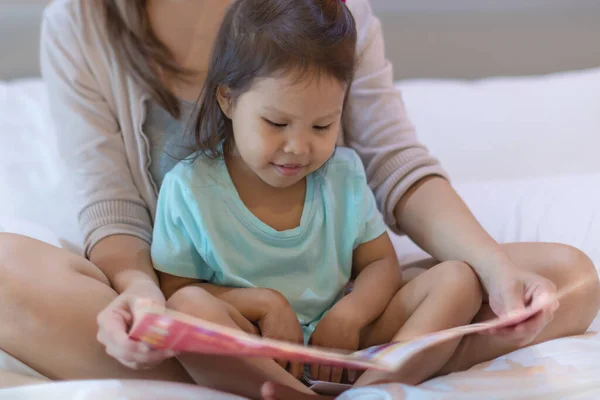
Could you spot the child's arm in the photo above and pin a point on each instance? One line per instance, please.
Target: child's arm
(265, 308)
(378, 278)
(252, 303)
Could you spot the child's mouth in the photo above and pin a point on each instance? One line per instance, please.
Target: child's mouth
(288, 169)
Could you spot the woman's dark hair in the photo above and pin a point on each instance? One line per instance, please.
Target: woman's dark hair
(259, 38)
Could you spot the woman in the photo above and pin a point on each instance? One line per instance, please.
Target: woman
(121, 73)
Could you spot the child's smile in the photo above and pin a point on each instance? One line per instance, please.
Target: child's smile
(288, 169)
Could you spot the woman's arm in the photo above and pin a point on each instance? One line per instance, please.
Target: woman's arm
(434, 216)
(125, 260)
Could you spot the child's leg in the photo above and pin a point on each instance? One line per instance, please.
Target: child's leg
(445, 296)
(245, 375)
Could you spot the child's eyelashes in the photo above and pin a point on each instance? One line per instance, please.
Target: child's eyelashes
(283, 125)
(322, 127)
(275, 124)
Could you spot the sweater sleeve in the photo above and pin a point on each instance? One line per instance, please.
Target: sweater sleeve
(376, 124)
(89, 137)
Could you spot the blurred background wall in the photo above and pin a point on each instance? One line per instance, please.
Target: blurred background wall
(424, 38)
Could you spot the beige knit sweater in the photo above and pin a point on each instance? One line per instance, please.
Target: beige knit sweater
(99, 113)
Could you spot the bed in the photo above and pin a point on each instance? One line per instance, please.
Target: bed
(521, 150)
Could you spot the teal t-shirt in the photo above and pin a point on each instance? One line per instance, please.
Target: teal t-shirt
(203, 230)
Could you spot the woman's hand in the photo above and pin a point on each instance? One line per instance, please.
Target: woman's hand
(114, 323)
(511, 289)
(337, 330)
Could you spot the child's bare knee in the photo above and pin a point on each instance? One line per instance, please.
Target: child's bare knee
(189, 298)
(460, 279)
(199, 303)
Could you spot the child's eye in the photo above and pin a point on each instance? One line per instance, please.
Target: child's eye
(275, 124)
(321, 127)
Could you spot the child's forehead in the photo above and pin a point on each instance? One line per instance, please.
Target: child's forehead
(284, 97)
(290, 85)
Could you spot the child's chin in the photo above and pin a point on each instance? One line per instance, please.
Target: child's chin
(282, 182)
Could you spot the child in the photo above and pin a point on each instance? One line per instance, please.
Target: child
(269, 207)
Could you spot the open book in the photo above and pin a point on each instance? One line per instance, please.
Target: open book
(168, 329)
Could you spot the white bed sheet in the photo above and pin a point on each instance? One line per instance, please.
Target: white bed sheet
(35, 200)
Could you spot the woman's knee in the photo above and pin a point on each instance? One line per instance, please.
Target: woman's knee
(574, 264)
(29, 266)
(575, 269)
(569, 269)
(14, 273)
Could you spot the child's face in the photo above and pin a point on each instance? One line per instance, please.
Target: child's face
(285, 128)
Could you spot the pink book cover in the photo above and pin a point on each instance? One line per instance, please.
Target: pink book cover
(168, 329)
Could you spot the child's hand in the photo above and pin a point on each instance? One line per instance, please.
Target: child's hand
(337, 330)
(280, 322)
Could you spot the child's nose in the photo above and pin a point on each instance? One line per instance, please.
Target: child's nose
(297, 144)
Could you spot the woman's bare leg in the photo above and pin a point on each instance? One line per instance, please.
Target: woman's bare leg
(10, 379)
(446, 296)
(49, 300)
(563, 265)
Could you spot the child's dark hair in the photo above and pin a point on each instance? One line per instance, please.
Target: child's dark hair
(259, 38)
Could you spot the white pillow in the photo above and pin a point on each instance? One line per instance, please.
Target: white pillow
(509, 128)
(562, 209)
(27, 228)
(33, 186)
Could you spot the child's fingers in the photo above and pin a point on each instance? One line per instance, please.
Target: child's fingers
(314, 372)
(296, 370)
(351, 375)
(336, 374)
(325, 373)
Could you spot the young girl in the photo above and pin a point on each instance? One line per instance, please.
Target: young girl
(269, 204)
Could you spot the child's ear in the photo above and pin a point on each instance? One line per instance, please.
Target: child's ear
(225, 100)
